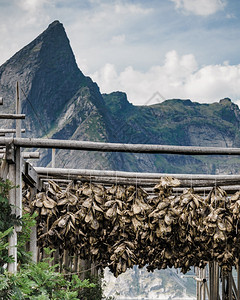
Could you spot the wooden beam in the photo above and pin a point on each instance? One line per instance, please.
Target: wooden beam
(116, 147)
(12, 116)
(12, 240)
(26, 155)
(31, 155)
(30, 175)
(10, 153)
(9, 130)
(134, 175)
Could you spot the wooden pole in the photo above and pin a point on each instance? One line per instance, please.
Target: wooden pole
(12, 116)
(53, 157)
(234, 287)
(238, 282)
(204, 283)
(198, 291)
(117, 147)
(33, 234)
(18, 111)
(12, 240)
(18, 161)
(230, 289)
(33, 243)
(138, 175)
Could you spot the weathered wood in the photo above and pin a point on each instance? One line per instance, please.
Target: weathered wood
(230, 286)
(234, 287)
(238, 282)
(30, 175)
(12, 116)
(18, 189)
(31, 155)
(4, 169)
(18, 160)
(10, 153)
(53, 157)
(33, 243)
(10, 130)
(12, 240)
(136, 175)
(117, 147)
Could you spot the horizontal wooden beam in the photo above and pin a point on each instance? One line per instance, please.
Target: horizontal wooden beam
(26, 155)
(140, 181)
(135, 175)
(32, 155)
(117, 147)
(12, 116)
(131, 178)
(10, 130)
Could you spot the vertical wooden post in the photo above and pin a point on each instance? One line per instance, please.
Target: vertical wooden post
(203, 288)
(15, 195)
(238, 282)
(53, 157)
(198, 291)
(223, 287)
(18, 111)
(211, 283)
(33, 243)
(216, 276)
(230, 287)
(18, 161)
(12, 240)
(33, 234)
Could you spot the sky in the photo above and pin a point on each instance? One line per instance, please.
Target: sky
(152, 50)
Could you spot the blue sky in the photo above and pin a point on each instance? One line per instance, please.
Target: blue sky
(185, 49)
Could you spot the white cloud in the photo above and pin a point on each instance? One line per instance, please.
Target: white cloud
(118, 39)
(200, 7)
(134, 9)
(32, 6)
(178, 77)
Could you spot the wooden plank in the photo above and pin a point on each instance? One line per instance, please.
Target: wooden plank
(10, 153)
(12, 116)
(31, 155)
(29, 175)
(9, 130)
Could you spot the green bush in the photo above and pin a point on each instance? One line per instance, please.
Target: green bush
(40, 281)
(34, 281)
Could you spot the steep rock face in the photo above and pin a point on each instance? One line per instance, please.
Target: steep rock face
(48, 76)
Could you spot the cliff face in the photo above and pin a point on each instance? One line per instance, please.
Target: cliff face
(60, 102)
(48, 76)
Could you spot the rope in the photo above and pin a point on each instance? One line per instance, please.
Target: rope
(80, 272)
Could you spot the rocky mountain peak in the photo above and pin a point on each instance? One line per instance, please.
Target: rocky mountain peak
(48, 75)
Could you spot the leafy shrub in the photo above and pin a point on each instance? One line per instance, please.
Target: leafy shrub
(33, 281)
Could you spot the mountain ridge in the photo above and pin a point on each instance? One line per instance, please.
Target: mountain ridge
(61, 102)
